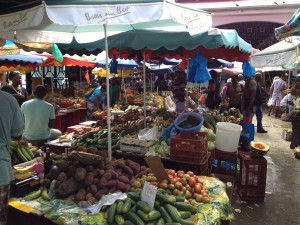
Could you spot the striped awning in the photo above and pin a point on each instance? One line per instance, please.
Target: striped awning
(291, 28)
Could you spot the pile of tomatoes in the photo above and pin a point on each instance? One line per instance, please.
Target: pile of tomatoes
(187, 185)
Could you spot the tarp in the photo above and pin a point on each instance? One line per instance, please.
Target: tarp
(291, 28)
(22, 58)
(217, 43)
(122, 63)
(284, 53)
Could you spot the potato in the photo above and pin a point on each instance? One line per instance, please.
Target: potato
(88, 195)
(80, 196)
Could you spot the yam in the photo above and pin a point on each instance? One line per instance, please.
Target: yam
(89, 168)
(54, 172)
(62, 177)
(95, 180)
(67, 188)
(93, 188)
(76, 164)
(88, 195)
(107, 175)
(102, 183)
(81, 149)
(112, 190)
(80, 196)
(140, 174)
(62, 165)
(92, 150)
(80, 174)
(128, 170)
(88, 180)
(144, 168)
(101, 173)
(111, 183)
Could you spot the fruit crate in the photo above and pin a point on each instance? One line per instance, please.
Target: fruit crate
(252, 182)
(189, 147)
(224, 162)
(135, 145)
(201, 169)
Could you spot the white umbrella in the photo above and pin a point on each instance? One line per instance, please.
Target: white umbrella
(82, 21)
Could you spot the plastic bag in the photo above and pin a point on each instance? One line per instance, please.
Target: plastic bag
(169, 104)
(269, 103)
(148, 134)
(248, 130)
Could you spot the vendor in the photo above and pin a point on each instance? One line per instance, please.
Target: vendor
(96, 100)
(213, 98)
(286, 103)
(39, 118)
(183, 101)
(16, 88)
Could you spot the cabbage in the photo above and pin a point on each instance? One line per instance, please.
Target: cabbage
(211, 146)
(211, 135)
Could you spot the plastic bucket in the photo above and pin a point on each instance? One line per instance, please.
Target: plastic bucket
(196, 117)
(228, 136)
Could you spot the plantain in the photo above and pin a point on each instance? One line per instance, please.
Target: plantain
(25, 153)
(33, 195)
(45, 194)
(20, 155)
(29, 152)
(23, 176)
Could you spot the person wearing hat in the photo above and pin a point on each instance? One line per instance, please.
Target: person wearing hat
(39, 118)
(241, 79)
(276, 93)
(16, 88)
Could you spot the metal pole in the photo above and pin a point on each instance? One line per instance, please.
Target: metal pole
(107, 94)
(144, 78)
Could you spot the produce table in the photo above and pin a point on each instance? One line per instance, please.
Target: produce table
(57, 147)
(69, 117)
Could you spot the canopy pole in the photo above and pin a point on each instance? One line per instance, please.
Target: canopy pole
(144, 79)
(107, 94)
(289, 79)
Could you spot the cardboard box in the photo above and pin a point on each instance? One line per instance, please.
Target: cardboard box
(227, 179)
(135, 145)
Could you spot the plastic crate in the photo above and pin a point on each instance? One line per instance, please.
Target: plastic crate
(225, 162)
(253, 173)
(201, 169)
(189, 147)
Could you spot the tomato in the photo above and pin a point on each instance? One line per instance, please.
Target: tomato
(165, 181)
(188, 187)
(199, 198)
(190, 173)
(205, 200)
(183, 189)
(198, 188)
(178, 185)
(171, 177)
(172, 172)
(176, 192)
(173, 181)
(183, 181)
(195, 195)
(192, 182)
(186, 176)
(203, 192)
(171, 187)
(188, 195)
(163, 185)
(180, 171)
(180, 175)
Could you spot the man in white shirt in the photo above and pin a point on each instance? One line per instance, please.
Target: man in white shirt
(241, 80)
(287, 102)
(39, 117)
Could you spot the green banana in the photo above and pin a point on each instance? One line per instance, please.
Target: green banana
(45, 194)
(28, 150)
(33, 195)
(25, 153)
(20, 155)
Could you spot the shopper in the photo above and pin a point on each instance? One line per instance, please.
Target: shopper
(16, 88)
(287, 104)
(213, 98)
(96, 100)
(248, 104)
(234, 93)
(241, 79)
(11, 126)
(258, 104)
(39, 117)
(276, 93)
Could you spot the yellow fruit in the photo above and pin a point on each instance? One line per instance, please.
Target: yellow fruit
(20, 170)
(23, 176)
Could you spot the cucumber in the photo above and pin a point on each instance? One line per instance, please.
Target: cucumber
(172, 223)
(154, 215)
(127, 206)
(160, 222)
(134, 218)
(164, 214)
(185, 214)
(111, 213)
(156, 203)
(168, 199)
(128, 222)
(143, 206)
(179, 198)
(119, 220)
(182, 206)
(135, 196)
(119, 207)
(173, 212)
(185, 222)
(144, 216)
(151, 223)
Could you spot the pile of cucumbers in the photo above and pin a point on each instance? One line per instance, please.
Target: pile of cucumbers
(168, 210)
(98, 139)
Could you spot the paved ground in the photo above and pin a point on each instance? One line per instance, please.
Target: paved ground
(282, 202)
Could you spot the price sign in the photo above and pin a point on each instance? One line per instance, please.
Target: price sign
(149, 194)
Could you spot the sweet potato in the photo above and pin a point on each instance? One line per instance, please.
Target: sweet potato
(107, 175)
(140, 174)
(124, 179)
(88, 180)
(114, 174)
(62, 177)
(112, 190)
(111, 183)
(89, 168)
(102, 183)
(94, 188)
(80, 196)
(88, 195)
(95, 180)
(137, 169)
(100, 173)
(92, 150)
(144, 168)
(128, 170)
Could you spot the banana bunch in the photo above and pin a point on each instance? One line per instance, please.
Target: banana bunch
(64, 138)
(42, 192)
(21, 152)
(22, 173)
